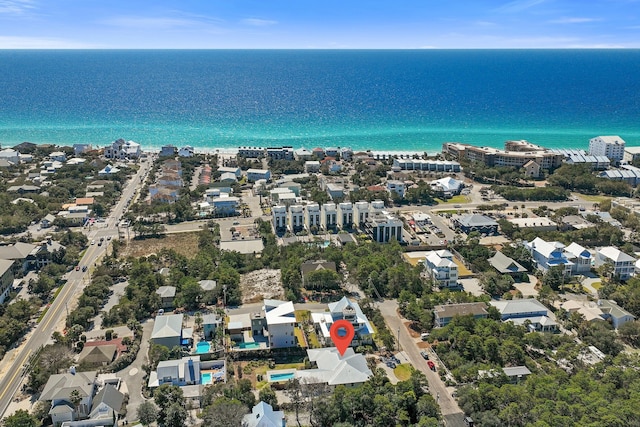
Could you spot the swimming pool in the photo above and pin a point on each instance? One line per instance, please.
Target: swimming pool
(282, 377)
(203, 347)
(205, 378)
(249, 345)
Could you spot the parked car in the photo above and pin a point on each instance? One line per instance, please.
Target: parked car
(77, 267)
(431, 365)
(84, 268)
(424, 355)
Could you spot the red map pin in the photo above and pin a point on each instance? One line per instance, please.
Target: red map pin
(342, 334)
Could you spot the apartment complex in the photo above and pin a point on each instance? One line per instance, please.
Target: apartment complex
(514, 154)
(610, 146)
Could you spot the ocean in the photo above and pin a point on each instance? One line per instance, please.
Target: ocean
(387, 100)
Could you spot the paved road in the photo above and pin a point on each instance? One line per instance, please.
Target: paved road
(13, 372)
(133, 375)
(448, 405)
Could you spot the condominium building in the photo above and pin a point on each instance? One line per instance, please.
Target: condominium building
(329, 217)
(279, 217)
(495, 157)
(610, 146)
(296, 218)
(312, 216)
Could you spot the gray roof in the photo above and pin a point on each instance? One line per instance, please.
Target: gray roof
(516, 306)
(515, 371)
(98, 353)
(245, 246)
(210, 319)
(505, 265)
(309, 266)
(18, 250)
(263, 415)
(166, 291)
(451, 310)
(166, 326)
(110, 396)
(208, 285)
(614, 310)
(60, 386)
(474, 220)
(5, 264)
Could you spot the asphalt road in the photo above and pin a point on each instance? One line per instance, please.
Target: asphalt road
(448, 406)
(76, 281)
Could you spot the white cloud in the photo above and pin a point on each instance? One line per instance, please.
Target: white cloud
(10, 42)
(518, 5)
(255, 22)
(16, 7)
(572, 20)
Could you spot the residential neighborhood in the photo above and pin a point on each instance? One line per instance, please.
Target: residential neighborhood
(168, 287)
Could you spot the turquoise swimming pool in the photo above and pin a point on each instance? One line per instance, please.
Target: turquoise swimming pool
(249, 345)
(281, 377)
(203, 347)
(205, 378)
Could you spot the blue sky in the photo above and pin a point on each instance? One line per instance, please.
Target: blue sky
(319, 24)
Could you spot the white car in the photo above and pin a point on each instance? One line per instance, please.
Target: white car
(93, 242)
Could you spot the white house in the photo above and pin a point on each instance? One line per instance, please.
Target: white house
(281, 323)
(361, 213)
(447, 185)
(329, 216)
(296, 218)
(225, 204)
(526, 312)
(178, 372)
(345, 215)
(549, 254)
(121, 149)
(10, 155)
(226, 169)
(58, 156)
(263, 415)
(279, 217)
(186, 151)
(580, 257)
(441, 268)
(312, 166)
(344, 309)
(255, 174)
(81, 148)
(397, 187)
(623, 264)
(312, 216)
(333, 369)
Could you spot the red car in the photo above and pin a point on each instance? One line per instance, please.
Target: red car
(431, 365)
(77, 268)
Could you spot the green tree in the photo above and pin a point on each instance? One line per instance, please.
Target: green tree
(554, 277)
(175, 415)
(167, 396)
(267, 395)
(224, 412)
(20, 418)
(147, 413)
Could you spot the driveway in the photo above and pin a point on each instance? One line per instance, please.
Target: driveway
(133, 375)
(448, 406)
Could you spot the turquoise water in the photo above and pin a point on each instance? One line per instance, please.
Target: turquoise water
(382, 100)
(205, 378)
(202, 347)
(249, 345)
(281, 377)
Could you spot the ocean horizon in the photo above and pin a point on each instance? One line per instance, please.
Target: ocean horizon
(382, 100)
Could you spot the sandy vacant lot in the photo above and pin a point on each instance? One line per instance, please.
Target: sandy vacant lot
(184, 243)
(261, 284)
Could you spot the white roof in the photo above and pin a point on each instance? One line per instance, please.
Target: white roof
(447, 183)
(434, 259)
(169, 325)
(263, 415)
(334, 369)
(545, 248)
(578, 251)
(518, 306)
(532, 222)
(615, 254)
(282, 314)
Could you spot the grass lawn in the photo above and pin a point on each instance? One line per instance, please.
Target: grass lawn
(302, 315)
(403, 371)
(289, 366)
(313, 340)
(593, 198)
(455, 199)
(300, 337)
(462, 270)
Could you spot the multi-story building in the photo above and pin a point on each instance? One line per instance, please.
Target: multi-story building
(441, 268)
(345, 215)
(361, 213)
(549, 254)
(276, 322)
(280, 153)
(312, 216)
(279, 217)
(580, 257)
(348, 310)
(425, 165)
(121, 149)
(329, 217)
(495, 157)
(383, 226)
(251, 152)
(623, 264)
(296, 218)
(397, 187)
(610, 146)
(6, 278)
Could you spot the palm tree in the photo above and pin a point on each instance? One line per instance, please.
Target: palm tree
(75, 399)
